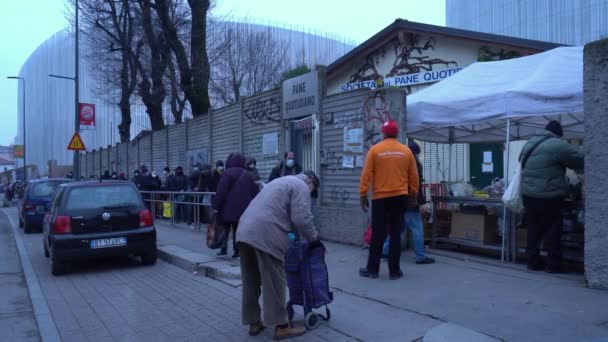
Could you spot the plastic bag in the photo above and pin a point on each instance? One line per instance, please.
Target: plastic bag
(462, 190)
(216, 234)
(167, 210)
(367, 236)
(512, 197)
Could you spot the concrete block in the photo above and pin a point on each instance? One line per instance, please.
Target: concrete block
(595, 88)
(344, 225)
(182, 258)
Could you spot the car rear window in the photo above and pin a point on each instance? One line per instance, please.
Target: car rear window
(102, 197)
(44, 189)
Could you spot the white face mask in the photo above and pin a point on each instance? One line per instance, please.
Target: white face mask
(165, 173)
(220, 168)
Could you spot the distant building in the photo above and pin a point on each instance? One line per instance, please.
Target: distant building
(571, 22)
(50, 101)
(6, 157)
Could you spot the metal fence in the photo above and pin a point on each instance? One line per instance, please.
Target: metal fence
(191, 207)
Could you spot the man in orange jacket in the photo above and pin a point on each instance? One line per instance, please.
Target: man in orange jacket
(390, 167)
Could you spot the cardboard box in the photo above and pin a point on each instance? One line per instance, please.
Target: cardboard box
(522, 238)
(474, 227)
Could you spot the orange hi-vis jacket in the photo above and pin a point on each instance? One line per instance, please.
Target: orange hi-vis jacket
(391, 169)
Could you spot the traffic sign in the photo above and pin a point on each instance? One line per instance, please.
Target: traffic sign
(76, 143)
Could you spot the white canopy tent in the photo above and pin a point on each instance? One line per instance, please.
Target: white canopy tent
(502, 101)
(475, 104)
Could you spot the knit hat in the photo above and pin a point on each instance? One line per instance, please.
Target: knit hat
(390, 128)
(414, 147)
(555, 127)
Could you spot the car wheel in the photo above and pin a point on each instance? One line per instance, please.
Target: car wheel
(46, 250)
(57, 267)
(27, 228)
(149, 258)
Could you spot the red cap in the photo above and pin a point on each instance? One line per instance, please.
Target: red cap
(390, 128)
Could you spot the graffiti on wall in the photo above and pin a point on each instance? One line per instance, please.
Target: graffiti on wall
(412, 55)
(332, 160)
(338, 194)
(376, 112)
(488, 54)
(406, 62)
(262, 112)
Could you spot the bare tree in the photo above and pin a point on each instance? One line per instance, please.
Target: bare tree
(252, 62)
(194, 71)
(109, 26)
(152, 66)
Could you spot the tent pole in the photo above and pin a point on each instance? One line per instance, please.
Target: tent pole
(506, 176)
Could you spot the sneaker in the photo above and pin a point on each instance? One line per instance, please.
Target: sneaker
(256, 329)
(366, 274)
(288, 332)
(222, 252)
(425, 261)
(396, 276)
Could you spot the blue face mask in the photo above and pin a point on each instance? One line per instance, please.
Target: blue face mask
(290, 163)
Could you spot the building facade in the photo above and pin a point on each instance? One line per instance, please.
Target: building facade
(569, 22)
(413, 56)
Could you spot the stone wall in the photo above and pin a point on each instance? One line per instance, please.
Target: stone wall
(596, 140)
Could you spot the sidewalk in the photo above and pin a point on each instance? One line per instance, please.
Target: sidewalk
(17, 316)
(451, 300)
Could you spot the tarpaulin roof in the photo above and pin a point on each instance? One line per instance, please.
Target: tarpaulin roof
(475, 104)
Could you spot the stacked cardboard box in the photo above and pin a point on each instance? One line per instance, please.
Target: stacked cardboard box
(474, 227)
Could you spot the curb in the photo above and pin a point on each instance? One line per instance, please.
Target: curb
(46, 325)
(208, 266)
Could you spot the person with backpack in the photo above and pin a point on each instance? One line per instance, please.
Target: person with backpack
(544, 187)
(235, 191)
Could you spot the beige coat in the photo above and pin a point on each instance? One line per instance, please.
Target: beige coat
(284, 204)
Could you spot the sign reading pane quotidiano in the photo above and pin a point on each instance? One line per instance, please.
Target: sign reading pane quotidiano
(301, 95)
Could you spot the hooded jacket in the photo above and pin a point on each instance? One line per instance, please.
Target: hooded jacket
(544, 175)
(235, 190)
(254, 173)
(283, 205)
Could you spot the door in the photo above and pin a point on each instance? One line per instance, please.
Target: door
(486, 163)
(303, 142)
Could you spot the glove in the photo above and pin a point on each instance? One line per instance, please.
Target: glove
(364, 203)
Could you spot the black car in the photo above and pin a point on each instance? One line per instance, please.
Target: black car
(35, 203)
(97, 219)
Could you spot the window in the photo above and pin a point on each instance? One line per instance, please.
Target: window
(103, 196)
(43, 189)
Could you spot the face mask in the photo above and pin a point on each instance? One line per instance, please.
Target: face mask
(165, 173)
(290, 163)
(251, 166)
(220, 168)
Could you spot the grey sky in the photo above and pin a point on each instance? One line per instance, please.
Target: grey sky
(25, 24)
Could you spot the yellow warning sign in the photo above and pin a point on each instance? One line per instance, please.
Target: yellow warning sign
(76, 143)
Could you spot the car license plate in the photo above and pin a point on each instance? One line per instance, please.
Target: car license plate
(111, 242)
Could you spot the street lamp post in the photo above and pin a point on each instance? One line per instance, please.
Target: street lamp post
(23, 104)
(76, 161)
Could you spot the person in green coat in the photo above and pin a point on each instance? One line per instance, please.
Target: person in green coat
(544, 187)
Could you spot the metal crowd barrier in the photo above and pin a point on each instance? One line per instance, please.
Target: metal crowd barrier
(189, 205)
